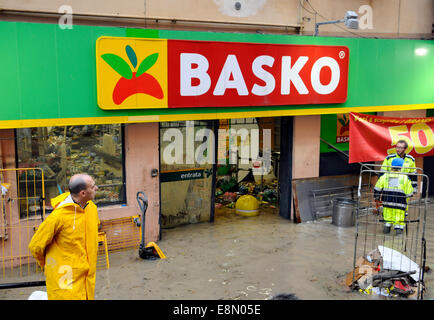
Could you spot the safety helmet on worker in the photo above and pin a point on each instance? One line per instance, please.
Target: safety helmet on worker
(397, 162)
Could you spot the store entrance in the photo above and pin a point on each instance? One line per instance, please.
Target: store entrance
(187, 172)
(207, 166)
(247, 177)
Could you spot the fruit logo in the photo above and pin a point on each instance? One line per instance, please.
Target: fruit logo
(345, 123)
(136, 80)
(342, 128)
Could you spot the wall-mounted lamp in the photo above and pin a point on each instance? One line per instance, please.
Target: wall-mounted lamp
(350, 20)
(421, 51)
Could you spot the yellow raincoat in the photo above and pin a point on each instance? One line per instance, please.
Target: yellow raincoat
(66, 246)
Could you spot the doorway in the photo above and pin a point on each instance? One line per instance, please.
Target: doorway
(187, 172)
(248, 157)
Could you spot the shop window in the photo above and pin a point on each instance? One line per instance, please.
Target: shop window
(186, 187)
(64, 151)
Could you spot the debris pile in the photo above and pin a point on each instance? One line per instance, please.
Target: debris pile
(385, 272)
(228, 191)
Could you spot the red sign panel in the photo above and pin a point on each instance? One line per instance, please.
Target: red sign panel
(218, 74)
(372, 138)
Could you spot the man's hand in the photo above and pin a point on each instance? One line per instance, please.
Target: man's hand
(377, 205)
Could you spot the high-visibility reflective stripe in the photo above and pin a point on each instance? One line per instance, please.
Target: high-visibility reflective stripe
(394, 205)
(395, 192)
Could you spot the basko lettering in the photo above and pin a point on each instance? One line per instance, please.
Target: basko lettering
(342, 139)
(218, 74)
(290, 73)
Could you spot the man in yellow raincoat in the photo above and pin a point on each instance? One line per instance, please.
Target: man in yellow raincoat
(409, 162)
(66, 243)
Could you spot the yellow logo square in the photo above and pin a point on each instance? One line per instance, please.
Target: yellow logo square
(131, 73)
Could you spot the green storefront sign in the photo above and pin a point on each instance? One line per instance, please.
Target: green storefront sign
(48, 76)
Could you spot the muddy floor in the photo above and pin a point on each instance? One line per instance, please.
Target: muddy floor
(238, 258)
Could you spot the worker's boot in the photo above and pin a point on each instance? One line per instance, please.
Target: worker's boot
(398, 231)
(386, 229)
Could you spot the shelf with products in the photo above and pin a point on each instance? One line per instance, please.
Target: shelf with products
(61, 152)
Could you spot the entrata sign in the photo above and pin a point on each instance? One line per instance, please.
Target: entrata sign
(135, 73)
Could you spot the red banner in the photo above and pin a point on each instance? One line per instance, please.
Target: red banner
(218, 74)
(372, 138)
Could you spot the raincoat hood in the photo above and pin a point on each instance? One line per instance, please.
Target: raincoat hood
(64, 199)
(59, 199)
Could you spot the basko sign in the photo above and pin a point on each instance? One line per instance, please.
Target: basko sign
(137, 73)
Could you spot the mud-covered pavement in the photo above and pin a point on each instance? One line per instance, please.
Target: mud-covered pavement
(237, 258)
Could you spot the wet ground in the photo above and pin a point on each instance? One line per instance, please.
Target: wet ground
(237, 258)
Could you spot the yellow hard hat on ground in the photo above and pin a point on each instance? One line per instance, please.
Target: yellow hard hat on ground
(247, 206)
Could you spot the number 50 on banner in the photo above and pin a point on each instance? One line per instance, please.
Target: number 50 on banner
(419, 136)
(373, 137)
